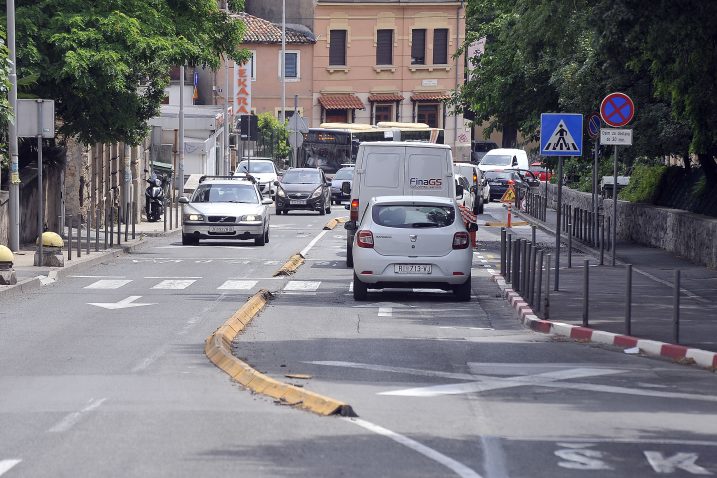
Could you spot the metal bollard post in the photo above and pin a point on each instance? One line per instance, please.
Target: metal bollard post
(676, 309)
(546, 307)
(97, 230)
(533, 227)
(89, 224)
(628, 299)
(533, 272)
(502, 251)
(602, 240)
(525, 254)
(586, 291)
(164, 216)
(609, 236)
(539, 282)
(570, 247)
(126, 222)
(111, 222)
(508, 262)
(69, 238)
(516, 265)
(79, 237)
(169, 211)
(119, 225)
(134, 218)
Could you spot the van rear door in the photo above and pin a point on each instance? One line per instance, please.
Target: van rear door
(380, 174)
(428, 173)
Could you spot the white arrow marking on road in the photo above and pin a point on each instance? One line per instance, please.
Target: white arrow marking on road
(683, 461)
(122, 304)
(5, 465)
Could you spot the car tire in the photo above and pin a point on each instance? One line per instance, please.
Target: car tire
(322, 209)
(360, 289)
(266, 236)
(461, 291)
(328, 209)
(260, 240)
(187, 240)
(481, 206)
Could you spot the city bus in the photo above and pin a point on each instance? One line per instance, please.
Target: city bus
(333, 145)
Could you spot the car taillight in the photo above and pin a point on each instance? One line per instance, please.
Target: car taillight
(461, 240)
(353, 214)
(510, 181)
(475, 178)
(365, 239)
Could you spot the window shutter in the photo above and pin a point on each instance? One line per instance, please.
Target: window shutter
(337, 48)
(440, 46)
(418, 47)
(290, 65)
(384, 47)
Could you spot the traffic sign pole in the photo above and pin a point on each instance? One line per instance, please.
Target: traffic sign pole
(614, 208)
(558, 218)
(596, 166)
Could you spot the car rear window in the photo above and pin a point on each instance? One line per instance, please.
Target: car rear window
(344, 174)
(498, 175)
(410, 216)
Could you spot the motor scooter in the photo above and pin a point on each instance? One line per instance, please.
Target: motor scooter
(154, 198)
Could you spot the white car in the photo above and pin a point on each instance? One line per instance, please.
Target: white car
(412, 241)
(225, 208)
(263, 170)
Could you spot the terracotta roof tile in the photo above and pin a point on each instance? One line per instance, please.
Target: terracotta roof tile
(259, 30)
(430, 96)
(385, 97)
(341, 102)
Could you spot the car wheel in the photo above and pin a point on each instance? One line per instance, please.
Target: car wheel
(328, 209)
(462, 291)
(187, 240)
(322, 209)
(360, 289)
(260, 240)
(266, 236)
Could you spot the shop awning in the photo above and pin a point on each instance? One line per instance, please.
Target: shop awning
(385, 97)
(430, 96)
(341, 102)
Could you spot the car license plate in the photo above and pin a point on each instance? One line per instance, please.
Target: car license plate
(297, 202)
(412, 268)
(221, 228)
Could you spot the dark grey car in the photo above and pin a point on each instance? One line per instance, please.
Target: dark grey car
(303, 189)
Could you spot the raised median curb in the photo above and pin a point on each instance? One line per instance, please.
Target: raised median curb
(653, 348)
(334, 222)
(218, 348)
(290, 266)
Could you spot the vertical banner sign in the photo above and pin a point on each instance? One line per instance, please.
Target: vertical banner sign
(242, 89)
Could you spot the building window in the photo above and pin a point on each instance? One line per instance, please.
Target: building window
(440, 46)
(428, 113)
(338, 116)
(384, 47)
(383, 112)
(337, 48)
(291, 65)
(418, 46)
(252, 65)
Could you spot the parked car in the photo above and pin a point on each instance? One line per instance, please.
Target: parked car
(467, 197)
(478, 186)
(504, 158)
(412, 241)
(263, 170)
(542, 173)
(480, 148)
(303, 189)
(224, 207)
(343, 175)
(499, 182)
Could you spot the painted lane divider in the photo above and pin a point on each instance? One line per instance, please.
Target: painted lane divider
(6, 465)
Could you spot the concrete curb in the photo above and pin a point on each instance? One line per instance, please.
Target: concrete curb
(218, 349)
(653, 348)
(290, 266)
(334, 222)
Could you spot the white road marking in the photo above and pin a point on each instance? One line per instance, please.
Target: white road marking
(385, 311)
(174, 284)
(683, 461)
(271, 263)
(6, 465)
(484, 261)
(108, 284)
(173, 277)
(237, 285)
(306, 250)
(122, 304)
(96, 277)
(302, 286)
(465, 328)
(581, 458)
(351, 286)
(71, 420)
(458, 468)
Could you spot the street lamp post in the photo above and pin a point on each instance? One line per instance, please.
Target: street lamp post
(283, 61)
(14, 226)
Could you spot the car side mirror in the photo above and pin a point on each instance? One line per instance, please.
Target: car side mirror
(267, 201)
(459, 191)
(347, 206)
(276, 183)
(350, 225)
(346, 187)
(183, 200)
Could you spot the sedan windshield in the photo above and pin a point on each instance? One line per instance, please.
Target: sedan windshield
(238, 193)
(256, 167)
(413, 216)
(301, 177)
(496, 160)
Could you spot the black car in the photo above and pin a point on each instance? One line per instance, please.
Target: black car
(500, 180)
(303, 189)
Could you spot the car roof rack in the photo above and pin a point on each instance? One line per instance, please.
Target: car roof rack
(238, 177)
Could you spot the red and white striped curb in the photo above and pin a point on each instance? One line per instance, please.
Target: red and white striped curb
(528, 318)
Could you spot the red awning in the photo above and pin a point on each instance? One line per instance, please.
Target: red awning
(385, 97)
(341, 102)
(430, 96)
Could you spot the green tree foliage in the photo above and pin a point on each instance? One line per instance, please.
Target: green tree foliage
(106, 63)
(4, 104)
(274, 132)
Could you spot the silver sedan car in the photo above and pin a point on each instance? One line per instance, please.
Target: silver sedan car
(225, 208)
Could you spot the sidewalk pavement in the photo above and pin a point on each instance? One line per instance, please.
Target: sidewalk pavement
(652, 290)
(30, 276)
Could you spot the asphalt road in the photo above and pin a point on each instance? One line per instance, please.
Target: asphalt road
(440, 388)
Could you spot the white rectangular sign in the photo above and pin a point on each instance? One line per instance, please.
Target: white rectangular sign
(242, 89)
(27, 121)
(615, 137)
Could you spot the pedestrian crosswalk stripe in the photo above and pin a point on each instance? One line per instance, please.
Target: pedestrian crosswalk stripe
(237, 285)
(174, 284)
(302, 286)
(108, 284)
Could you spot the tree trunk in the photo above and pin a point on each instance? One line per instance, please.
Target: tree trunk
(709, 166)
(687, 162)
(510, 136)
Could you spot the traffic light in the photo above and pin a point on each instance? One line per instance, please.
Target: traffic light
(249, 127)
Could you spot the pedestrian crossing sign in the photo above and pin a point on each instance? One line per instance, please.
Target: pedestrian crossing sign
(561, 134)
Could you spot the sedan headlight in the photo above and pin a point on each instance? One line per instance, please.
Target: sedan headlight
(280, 192)
(316, 193)
(250, 218)
(193, 217)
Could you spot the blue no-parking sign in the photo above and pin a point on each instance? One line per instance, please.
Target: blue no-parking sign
(561, 134)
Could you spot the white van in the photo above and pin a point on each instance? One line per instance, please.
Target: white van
(504, 158)
(397, 168)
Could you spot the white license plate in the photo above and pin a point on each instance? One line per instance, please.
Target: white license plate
(221, 228)
(412, 268)
(297, 201)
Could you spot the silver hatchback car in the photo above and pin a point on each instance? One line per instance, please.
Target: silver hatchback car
(225, 207)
